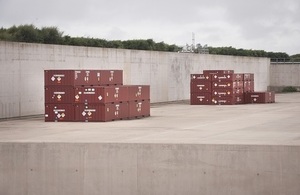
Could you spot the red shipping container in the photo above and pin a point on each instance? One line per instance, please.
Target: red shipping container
(98, 77)
(222, 85)
(114, 111)
(217, 72)
(83, 77)
(201, 77)
(260, 97)
(88, 112)
(59, 94)
(139, 108)
(59, 77)
(101, 94)
(59, 112)
(248, 86)
(228, 77)
(227, 92)
(224, 100)
(248, 77)
(200, 99)
(198, 86)
(238, 84)
(239, 99)
(138, 92)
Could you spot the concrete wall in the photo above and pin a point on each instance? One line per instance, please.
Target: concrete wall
(284, 74)
(146, 169)
(22, 68)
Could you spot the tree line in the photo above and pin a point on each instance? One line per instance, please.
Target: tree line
(52, 35)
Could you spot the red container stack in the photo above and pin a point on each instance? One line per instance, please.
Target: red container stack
(224, 87)
(93, 95)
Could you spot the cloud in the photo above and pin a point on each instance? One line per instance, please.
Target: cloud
(268, 25)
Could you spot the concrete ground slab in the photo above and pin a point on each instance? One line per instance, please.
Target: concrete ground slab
(178, 122)
(180, 149)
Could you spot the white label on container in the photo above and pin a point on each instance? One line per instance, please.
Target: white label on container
(59, 75)
(59, 110)
(83, 113)
(90, 110)
(89, 93)
(53, 78)
(100, 97)
(59, 92)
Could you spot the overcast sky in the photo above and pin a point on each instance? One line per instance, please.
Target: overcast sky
(270, 25)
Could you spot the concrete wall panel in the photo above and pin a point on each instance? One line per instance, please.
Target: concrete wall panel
(285, 75)
(23, 64)
(133, 169)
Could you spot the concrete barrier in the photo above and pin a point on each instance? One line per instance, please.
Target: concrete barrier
(168, 73)
(160, 169)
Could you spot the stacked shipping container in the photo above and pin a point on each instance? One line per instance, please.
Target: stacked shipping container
(93, 95)
(224, 87)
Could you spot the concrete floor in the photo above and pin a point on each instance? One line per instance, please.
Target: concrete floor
(250, 124)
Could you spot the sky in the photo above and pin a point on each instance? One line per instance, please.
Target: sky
(270, 25)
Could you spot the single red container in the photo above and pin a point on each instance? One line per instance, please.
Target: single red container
(200, 99)
(222, 85)
(201, 77)
(227, 92)
(217, 72)
(260, 97)
(224, 100)
(227, 77)
(83, 77)
(59, 77)
(59, 94)
(239, 99)
(88, 112)
(248, 77)
(138, 92)
(248, 86)
(101, 94)
(114, 111)
(59, 112)
(238, 84)
(198, 86)
(139, 108)
(98, 77)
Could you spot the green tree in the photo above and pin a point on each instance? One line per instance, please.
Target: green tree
(27, 33)
(51, 35)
